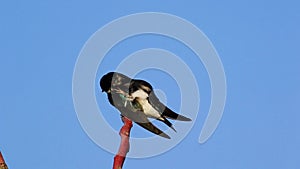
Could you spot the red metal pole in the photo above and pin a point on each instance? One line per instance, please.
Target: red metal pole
(124, 146)
(2, 162)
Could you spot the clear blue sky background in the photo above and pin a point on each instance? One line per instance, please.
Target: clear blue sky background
(258, 43)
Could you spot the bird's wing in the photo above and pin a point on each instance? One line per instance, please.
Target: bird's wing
(141, 119)
(164, 110)
(133, 113)
(120, 81)
(142, 89)
(150, 127)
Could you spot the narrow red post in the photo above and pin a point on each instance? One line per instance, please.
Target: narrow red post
(124, 146)
(2, 162)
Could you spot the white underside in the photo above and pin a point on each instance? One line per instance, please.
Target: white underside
(148, 109)
(139, 94)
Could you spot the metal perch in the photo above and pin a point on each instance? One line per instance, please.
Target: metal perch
(124, 146)
(2, 162)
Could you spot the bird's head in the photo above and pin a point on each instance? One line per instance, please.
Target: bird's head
(113, 79)
(105, 82)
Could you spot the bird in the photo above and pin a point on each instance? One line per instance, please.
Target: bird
(136, 100)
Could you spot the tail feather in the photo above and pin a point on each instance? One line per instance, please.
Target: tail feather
(166, 112)
(174, 116)
(168, 123)
(150, 127)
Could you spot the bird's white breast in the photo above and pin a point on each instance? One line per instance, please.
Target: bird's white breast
(140, 94)
(149, 111)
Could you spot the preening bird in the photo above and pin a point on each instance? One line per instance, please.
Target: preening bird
(136, 100)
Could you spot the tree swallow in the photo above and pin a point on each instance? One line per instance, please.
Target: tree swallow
(136, 100)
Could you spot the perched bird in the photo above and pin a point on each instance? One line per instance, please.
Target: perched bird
(136, 100)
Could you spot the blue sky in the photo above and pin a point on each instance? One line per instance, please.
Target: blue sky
(257, 41)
